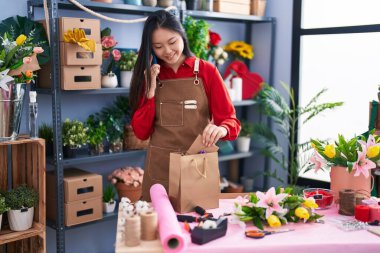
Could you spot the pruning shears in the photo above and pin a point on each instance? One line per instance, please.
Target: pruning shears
(258, 234)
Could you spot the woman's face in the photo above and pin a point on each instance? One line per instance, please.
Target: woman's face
(167, 45)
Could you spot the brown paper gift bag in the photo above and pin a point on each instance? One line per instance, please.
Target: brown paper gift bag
(194, 181)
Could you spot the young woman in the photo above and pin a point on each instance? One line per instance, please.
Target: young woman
(175, 98)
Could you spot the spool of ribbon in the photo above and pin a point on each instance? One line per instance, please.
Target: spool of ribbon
(374, 213)
(362, 213)
(132, 230)
(171, 236)
(347, 202)
(148, 226)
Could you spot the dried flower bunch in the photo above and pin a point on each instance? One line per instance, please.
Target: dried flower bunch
(127, 175)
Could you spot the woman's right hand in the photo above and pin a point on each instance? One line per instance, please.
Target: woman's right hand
(154, 72)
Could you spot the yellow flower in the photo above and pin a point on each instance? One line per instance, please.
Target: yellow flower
(373, 151)
(313, 145)
(329, 151)
(20, 39)
(302, 213)
(310, 203)
(274, 221)
(78, 36)
(240, 48)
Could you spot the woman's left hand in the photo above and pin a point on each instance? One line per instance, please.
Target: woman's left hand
(212, 133)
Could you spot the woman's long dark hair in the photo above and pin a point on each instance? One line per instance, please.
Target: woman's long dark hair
(158, 19)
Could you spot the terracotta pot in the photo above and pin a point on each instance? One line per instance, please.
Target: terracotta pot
(129, 191)
(341, 179)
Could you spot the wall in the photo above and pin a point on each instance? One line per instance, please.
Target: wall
(100, 237)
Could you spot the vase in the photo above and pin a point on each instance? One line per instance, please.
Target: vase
(129, 191)
(116, 146)
(109, 80)
(97, 149)
(125, 79)
(11, 104)
(242, 144)
(109, 207)
(340, 179)
(20, 220)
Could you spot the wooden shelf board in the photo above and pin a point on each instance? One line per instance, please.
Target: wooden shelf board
(7, 235)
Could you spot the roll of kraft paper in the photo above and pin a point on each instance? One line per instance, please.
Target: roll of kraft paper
(171, 235)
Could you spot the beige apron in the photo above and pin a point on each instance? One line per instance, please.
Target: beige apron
(181, 115)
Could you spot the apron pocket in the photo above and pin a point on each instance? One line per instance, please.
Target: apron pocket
(171, 113)
(158, 163)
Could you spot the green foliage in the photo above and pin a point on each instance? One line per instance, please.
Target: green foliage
(35, 32)
(197, 34)
(105, 32)
(96, 130)
(21, 197)
(3, 205)
(74, 134)
(127, 61)
(246, 129)
(45, 131)
(286, 120)
(108, 194)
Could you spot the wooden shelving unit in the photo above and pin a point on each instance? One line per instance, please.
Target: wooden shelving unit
(23, 162)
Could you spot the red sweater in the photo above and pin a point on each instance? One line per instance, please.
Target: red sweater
(221, 108)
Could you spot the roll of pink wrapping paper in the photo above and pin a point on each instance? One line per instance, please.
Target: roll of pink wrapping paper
(171, 235)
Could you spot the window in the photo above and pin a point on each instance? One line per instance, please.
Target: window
(336, 46)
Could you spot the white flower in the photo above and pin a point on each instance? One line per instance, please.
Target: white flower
(225, 55)
(220, 62)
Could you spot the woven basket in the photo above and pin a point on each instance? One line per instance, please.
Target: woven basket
(131, 141)
(129, 191)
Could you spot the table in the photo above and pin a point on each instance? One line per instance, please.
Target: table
(306, 238)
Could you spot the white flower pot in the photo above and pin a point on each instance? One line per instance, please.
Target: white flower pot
(20, 220)
(242, 144)
(109, 80)
(125, 79)
(1, 218)
(109, 207)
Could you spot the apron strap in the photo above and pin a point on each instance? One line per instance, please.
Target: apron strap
(196, 71)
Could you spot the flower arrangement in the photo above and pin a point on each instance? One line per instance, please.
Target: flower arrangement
(358, 153)
(240, 49)
(275, 208)
(215, 51)
(108, 43)
(127, 61)
(21, 42)
(132, 176)
(74, 134)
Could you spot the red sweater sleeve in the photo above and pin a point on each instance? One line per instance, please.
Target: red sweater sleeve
(220, 105)
(143, 118)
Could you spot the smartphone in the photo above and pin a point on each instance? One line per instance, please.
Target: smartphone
(154, 58)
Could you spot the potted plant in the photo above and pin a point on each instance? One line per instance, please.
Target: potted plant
(110, 56)
(74, 136)
(45, 131)
(126, 64)
(244, 139)
(21, 202)
(96, 133)
(128, 181)
(197, 34)
(109, 202)
(3, 208)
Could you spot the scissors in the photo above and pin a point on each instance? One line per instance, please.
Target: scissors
(258, 234)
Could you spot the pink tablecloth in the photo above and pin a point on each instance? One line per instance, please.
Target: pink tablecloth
(307, 238)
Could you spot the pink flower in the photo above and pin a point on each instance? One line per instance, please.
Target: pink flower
(116, 54)
(270, 201)
(106, 54)
(127, 175)
(108, 42)
(38, 50)
(363, 165)
(318, 161)
(27, 60)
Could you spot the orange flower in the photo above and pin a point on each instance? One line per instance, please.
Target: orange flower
(29, 74)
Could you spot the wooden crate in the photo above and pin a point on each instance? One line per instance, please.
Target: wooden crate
(27, 158)
(233, 6)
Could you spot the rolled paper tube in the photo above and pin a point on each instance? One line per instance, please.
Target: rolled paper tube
(237, 86)
(148, 226)
(362, 213)
(171, 236)
(374, 213)
(132, 231)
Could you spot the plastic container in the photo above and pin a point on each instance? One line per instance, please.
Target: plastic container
(323, 197)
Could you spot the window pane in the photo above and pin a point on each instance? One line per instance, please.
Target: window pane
(347, 65)
(335, 13)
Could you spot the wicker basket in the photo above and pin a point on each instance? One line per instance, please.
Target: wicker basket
(129, 191)
(131, 141)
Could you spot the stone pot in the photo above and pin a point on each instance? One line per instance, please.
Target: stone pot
(129, 191)
(109, 80)
(20, 220)
(109, 207)
(125, 79)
